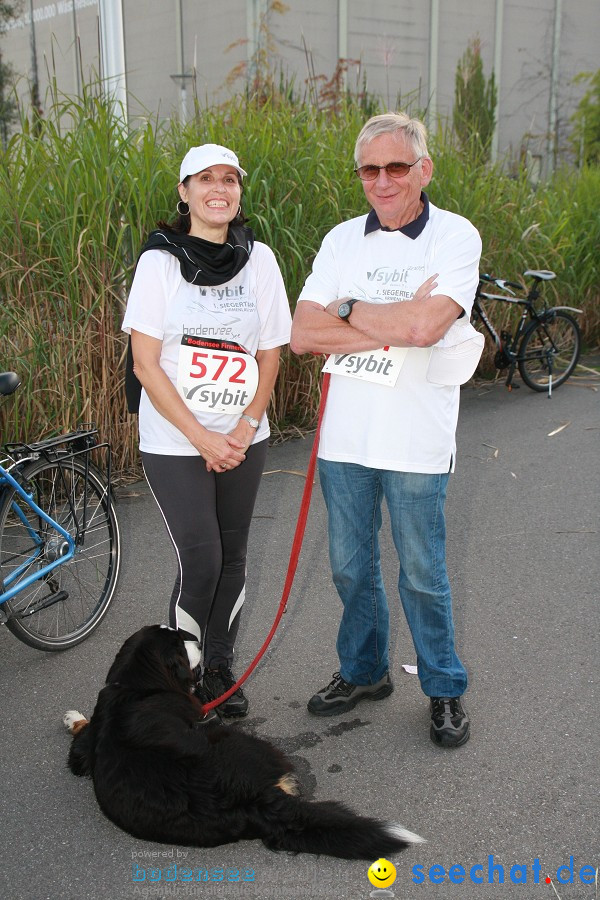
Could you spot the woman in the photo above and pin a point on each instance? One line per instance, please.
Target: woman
(207, 314)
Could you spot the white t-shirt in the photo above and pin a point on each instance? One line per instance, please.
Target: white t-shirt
(411, 426)
(223, 325)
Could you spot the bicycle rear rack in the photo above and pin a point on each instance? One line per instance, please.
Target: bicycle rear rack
(63, 448)
(83, 439)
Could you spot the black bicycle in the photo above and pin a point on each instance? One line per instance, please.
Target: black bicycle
(59, 536)
(547, 342)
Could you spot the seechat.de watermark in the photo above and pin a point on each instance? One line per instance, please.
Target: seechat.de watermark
(495, 873)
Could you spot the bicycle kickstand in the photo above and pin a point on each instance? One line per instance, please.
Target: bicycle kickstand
(509, 385)
(549, 364)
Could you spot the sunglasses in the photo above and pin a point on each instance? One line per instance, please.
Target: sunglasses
(393, 169)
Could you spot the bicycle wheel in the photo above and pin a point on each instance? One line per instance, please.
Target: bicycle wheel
(67, 604)
(550, 346)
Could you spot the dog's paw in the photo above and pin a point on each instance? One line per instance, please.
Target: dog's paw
(288, 783)
(74, 721)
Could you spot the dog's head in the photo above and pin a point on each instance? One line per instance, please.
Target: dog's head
(154, 658)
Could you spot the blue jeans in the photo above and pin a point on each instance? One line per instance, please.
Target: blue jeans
(353, 496)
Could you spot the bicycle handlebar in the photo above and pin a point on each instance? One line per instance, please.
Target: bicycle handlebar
(501, 283)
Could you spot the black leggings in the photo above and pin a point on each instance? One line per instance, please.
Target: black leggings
(208, 518)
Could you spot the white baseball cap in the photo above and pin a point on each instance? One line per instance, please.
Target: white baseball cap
(199, 158)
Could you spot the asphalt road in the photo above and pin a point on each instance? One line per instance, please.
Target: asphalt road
(524, 527)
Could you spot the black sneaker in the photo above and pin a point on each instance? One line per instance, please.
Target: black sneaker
(212, 715)
(215, 682)
(450, 725)
(340, 696)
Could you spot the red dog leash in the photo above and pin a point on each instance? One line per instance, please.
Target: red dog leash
(294, 553)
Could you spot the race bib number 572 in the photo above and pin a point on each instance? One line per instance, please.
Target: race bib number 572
(215, 376)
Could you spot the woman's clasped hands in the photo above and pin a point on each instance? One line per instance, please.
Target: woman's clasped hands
(221, 452)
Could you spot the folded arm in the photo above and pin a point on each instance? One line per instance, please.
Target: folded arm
(317, 329)
(419, 322)
(410, 323)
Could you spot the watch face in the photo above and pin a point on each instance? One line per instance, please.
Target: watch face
(344, 310)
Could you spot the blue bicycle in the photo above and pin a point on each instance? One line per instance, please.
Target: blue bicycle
(60, 546)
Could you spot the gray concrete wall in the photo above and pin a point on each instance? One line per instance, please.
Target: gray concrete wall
(408, 49)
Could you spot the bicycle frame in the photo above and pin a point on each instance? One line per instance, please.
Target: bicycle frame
(7, 479)
(480, 311)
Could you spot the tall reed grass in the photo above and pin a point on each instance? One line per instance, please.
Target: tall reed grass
(79, 192)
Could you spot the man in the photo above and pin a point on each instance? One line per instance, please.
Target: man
(389, 298)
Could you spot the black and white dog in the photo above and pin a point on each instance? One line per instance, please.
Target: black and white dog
(162, 775)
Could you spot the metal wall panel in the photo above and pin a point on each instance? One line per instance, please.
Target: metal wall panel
(392, 41)
(458, 26)
(307, 40)
(150, 56)
(58, 51)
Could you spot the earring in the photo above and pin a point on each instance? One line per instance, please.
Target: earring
(180, 211)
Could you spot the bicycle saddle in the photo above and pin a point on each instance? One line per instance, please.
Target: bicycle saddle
(9, 382)
(543, 274)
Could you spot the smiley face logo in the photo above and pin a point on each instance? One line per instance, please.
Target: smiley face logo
(382, 873)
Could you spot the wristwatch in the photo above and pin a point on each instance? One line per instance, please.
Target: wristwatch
(345, 308)
(253, 422)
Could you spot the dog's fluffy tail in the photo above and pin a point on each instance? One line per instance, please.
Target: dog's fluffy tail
(333, 829)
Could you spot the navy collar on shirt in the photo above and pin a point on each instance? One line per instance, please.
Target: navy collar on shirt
(412, 230)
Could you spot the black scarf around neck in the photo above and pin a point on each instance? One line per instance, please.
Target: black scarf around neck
(201, 262)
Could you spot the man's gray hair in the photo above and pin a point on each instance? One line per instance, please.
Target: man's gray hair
(392, 123)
